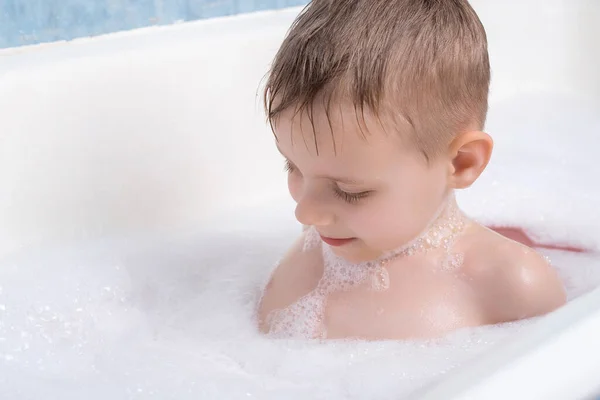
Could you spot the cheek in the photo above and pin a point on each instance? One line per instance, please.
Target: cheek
(386, 224)
(385, 219)
(398, 215)
(376, 219)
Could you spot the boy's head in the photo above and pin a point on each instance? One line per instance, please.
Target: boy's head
(389, 93)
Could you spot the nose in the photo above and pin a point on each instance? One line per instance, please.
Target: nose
(311, 211)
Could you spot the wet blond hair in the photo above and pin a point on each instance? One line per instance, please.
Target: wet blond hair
(424, 63)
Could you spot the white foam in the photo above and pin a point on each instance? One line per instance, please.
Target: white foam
(172, 317)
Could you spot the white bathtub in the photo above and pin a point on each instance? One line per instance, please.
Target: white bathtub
(161, 129)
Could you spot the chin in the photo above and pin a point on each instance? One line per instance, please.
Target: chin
(353, 253)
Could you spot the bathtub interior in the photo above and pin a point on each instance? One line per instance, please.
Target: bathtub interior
(143, 203)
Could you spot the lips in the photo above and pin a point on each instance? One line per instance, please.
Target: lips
(336, 242)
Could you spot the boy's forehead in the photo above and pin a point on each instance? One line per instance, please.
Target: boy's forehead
(341, 129)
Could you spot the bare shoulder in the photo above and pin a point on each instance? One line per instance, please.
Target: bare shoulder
(297, 263)
(296, 275)
(519, 282)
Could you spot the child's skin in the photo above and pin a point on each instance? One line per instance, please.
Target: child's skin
(381, 192)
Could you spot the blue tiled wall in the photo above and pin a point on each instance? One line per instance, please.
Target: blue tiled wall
(25, 22)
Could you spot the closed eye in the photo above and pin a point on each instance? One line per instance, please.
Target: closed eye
(350, 198)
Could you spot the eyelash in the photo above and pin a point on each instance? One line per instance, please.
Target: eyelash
(350, 198)
(288, 167)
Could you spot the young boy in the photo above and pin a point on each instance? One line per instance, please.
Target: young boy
(378, 107)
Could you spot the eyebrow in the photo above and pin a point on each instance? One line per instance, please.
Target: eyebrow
(345, 180)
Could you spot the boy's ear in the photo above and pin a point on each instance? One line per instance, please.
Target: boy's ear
(470, 153)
